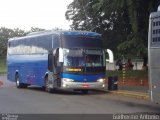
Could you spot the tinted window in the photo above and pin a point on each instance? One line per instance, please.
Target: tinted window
(81, 42)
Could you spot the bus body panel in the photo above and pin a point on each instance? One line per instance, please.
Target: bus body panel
(31, 68)
(154, 56)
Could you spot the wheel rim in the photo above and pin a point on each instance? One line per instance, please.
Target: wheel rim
(17, 81)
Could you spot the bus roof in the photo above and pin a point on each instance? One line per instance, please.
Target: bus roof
(155, 14)
(79, 33)
(158, 8)
(49, 32)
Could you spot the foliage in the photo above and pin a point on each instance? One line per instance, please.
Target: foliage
(5, 34)
(3, 68)
(122, 23)
(36, 29)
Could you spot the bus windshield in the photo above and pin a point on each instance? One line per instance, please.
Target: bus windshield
(83, 58)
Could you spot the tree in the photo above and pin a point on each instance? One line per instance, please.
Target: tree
(102, 16)
(5, 34)
(136, 41)
(36, 29)
(122, 23)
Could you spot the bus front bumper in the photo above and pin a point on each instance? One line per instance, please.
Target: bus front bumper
(82, 85)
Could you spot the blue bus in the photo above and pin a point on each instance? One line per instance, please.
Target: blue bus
(57, 60)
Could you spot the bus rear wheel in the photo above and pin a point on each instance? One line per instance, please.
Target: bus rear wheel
(18, 84)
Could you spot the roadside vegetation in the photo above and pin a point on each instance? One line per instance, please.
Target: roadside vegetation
(3, 68)
(122, 23)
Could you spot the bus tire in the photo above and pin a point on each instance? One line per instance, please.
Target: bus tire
(17, 79)
(47, 89)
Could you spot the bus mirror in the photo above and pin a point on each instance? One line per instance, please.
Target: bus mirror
(110, 54)
(50, 61)
(61, 55)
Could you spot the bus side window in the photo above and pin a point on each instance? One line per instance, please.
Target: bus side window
(50, 61)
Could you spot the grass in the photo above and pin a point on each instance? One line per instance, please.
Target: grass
(129, 73)
(3, 68)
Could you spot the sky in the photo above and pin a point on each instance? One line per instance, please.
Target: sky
(24, 14)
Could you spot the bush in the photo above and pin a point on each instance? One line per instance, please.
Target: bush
(3, 68)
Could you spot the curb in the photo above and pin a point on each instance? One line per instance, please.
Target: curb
(138, 95)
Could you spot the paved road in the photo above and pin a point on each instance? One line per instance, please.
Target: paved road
(34, 100)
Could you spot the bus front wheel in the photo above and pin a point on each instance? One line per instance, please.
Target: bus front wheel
(47, 89)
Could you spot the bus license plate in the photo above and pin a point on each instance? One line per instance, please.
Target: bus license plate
(85, 86)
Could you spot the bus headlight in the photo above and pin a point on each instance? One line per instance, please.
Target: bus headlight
(102, 80)
(67, 80)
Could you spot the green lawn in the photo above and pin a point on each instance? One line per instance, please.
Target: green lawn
(3, 68)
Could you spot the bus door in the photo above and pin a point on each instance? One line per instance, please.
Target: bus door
(55, 66)
(50, 69)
